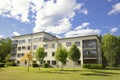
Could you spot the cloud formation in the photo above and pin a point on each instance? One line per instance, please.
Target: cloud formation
(52, 16)
(55, 16)
(115, 9)
(82, 30)
(16, 33)
(1, 36)
(113, 30)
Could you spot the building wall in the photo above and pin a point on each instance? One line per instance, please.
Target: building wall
(47, 41)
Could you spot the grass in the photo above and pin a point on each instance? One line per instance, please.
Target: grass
(20, 73)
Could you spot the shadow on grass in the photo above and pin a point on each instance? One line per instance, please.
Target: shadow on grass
(53, 72)
(95, 74)
(102, 72)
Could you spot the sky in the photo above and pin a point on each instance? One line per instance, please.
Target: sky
(62, 18)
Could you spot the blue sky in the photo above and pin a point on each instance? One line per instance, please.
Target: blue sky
(63, 18)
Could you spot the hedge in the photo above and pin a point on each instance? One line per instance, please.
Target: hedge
(10, 64)
(2, 64)
(92, 66)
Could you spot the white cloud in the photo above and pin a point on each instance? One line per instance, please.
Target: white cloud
(84, 11)
(82, 30)
(16, 33)
(113, 30)
(18, 9)
(115, 9)
(49, 16)
(84, 25)
(1, 36)
(55, 17)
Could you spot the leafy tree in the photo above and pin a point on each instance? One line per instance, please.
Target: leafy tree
(40, 54)
(5, 48)
(109, 47)
(7, 58)
(28, 57)
(61, 55)
(74, 54)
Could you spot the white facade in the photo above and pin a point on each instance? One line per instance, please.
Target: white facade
(89, 47)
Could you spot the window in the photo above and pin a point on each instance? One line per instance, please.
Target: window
(53, 54)
(45, 54)
(18, 55)
(48, 61)
(18, 62)
(22, 54)
(59, 44)
(19, 48)
(23, 47)
(20, 42)
(25, 62)
(54, 62)
(77, 43)
(45, 46)
(89, 43)
(23, 41)
(29, 40)
(68, 43)
(79, 62)
(53, 45)
(34, 47)
(28, 47)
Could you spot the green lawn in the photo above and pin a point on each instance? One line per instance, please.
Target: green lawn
(20, 73)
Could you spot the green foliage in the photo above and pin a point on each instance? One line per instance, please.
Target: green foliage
(34, 65)
(5, 48)
(110, 49)
(92, 66)
(46, 65)
(2, 64)
(74, 53)
(10, 64)
(40, 54)
(61, 54)
(7, 58)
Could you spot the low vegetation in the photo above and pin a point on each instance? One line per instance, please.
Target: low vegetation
(19, 73)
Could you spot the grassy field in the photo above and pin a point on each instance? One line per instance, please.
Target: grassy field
(20, 73)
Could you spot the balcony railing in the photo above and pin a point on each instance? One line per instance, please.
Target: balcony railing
(14, 45)
(89, 56)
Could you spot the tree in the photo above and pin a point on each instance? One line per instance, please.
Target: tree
(61, 55)
(27, 57)
(40, 54)
(74, 54)
(5, 48)
(109, 47)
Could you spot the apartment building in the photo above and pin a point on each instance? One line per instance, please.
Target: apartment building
(89, 47)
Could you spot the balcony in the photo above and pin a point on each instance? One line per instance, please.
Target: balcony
(90, 56)
(14, 45)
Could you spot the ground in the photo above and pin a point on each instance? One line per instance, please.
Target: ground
(20, 73)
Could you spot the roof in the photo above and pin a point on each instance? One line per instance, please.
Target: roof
(35, 33)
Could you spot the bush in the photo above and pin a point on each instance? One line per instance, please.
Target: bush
(35, 65)
(92, 66)
(10, 64)
(46, 65)
(2, 64)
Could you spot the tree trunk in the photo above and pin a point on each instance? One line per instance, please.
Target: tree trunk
(74, 66)
(28, 66)
(39, 65)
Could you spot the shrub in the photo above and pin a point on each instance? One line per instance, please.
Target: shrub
(46, 65)
(35, 65)
(93, 66)
(2, 64)
(10, 64)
